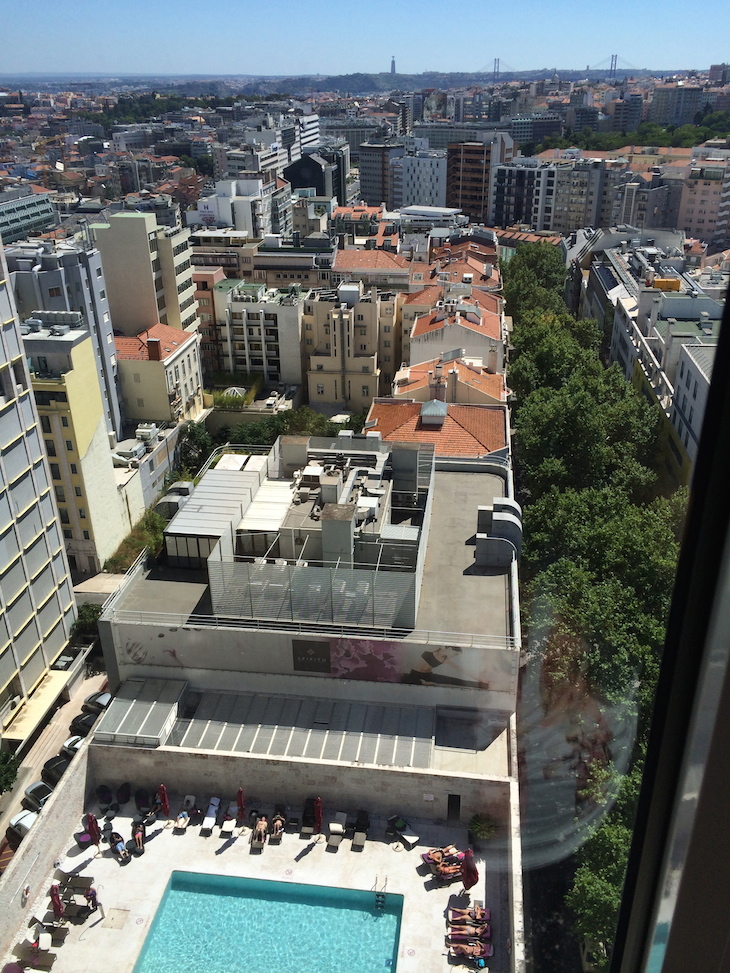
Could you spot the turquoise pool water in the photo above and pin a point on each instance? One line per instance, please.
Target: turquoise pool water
(218, 924)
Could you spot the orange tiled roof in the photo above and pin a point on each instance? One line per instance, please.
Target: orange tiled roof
(475, 319)
(136, 349)
(369, 260)
(467, 430)
(474, 375)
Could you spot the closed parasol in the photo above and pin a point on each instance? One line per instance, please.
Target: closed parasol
(469, 873)
(164, 800)
(92, 826)
(318, 815)
(241, 802)
(58, 907)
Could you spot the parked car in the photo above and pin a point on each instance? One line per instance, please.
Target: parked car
(96, 703)
(36, 795)
(72, 745)
(54, 768)
(20, 825)
(83, 724)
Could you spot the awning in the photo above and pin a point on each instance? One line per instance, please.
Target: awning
(29, 716)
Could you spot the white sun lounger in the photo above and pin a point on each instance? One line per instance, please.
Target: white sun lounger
(187, 805)
(337, 829)
(230, 821)
(210, 816)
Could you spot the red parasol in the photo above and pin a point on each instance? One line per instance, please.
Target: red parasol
(163, 799)
(58, 907)
(318, 815)
(469, 873)
(92, 826)
(241, 802)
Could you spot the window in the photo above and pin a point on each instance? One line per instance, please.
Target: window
(386, 344)
(309, 341)
(50, 447)
(55, 471)
(60, 496)
(102, 294)
(363, 347)
(99, 271)
(64, 421)
(63, 514)
(68, 534)
(87, 535)
(74, 470)
(54, 292)
(140, 403)
(45, 424)
(694, 390)
(366, 368)
(691, 414)
(320, 390)
(78, 491)
(69, 445)
(82, 513)
(365, 391)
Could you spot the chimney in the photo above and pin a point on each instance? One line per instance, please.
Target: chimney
(154, 349)
(452, 380)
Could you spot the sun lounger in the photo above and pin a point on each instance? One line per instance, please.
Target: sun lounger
(210, 816)
(308, 818)
(467, 934)
(278, 823)
(187, 805)
(258, 840)
(486, 950)
(337, 830)
(229, 822)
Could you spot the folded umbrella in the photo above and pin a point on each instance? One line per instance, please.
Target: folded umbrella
(164, 800)
(469, 872)
(58, 906)
(318, 815)
(241, 802)
(92, 826)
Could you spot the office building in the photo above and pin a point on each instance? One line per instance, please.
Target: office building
(678, 103)
(148, 273)
(57, 277)
(468, 172)
(37, 609)
(24, 212)
(375, 171)
(418, 180)
(257, 204)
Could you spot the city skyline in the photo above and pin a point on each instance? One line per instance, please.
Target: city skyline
(575, 36)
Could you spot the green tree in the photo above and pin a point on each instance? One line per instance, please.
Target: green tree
(194, 446)
(9, 764)
(87, 621)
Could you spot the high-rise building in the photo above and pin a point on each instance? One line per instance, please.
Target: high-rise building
(95, 516)
(392, 65)
(418, 180)
(23, 212)
(375, 170)
(148, 273)
(68, 277)
(36, 600)
(468, 170)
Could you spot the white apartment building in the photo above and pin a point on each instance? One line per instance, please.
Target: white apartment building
(690, 396)
(255, 205)
(261, 330)
(37, 609)
(148, 273)
(419, 180)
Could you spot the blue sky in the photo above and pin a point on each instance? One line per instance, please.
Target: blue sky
(281, 37)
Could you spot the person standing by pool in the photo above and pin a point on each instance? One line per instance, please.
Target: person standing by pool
(425, 674)
(91, 899)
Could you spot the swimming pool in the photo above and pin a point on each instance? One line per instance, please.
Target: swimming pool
(219, 923)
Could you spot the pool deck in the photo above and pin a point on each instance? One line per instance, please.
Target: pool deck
(130, 894)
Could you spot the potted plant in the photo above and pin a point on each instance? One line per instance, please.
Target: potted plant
(481, 827)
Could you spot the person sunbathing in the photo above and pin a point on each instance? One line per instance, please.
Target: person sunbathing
(138, 833)
(277, 823)
(446, 871)
(473, 932)
(181, 821)
(470, 916)
(262, 826)
(469, 949)
(117, 843)
(449, 853)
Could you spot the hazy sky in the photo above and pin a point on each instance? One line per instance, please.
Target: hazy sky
(281, 37)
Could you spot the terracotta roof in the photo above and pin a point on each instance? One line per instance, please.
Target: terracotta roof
(136, 349)
(356, 212)
(475, 319)
(369, 260)
(431, 295)
(467, 430)
(474, 375)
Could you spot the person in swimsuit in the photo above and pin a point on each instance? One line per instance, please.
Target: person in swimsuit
(424, 674)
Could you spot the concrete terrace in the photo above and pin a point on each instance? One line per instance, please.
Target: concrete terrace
(112, 938)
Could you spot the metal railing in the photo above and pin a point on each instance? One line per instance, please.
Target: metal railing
(198, 622)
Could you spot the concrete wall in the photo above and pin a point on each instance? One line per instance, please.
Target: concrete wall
(290, 781)
(33, 863)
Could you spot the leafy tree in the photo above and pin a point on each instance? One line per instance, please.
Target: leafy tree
(87, 621)
(194, 446)
(9, 764)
